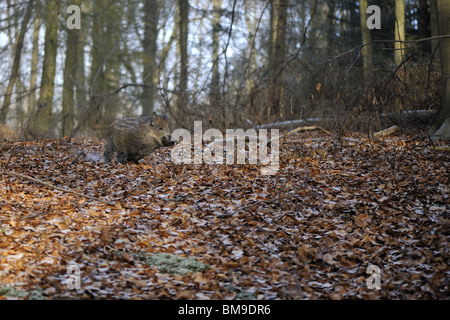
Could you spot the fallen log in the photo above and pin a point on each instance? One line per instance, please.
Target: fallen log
(396, 118)
(385, 132)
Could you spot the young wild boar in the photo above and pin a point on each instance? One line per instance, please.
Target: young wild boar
(134, 138)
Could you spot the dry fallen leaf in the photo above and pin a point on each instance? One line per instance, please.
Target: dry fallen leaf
(308, 231)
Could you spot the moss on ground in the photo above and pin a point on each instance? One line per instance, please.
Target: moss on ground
(173, 264)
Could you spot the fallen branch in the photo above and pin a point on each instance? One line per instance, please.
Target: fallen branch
(409, 116)
(290, 123)
(308, 128)
(385, 132)
(398, 118)
(442, 148)
(235, 138)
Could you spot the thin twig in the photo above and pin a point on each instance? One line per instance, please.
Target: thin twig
(124, 86)
(392, 75)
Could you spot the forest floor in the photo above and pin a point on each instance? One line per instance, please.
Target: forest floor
(343, 218)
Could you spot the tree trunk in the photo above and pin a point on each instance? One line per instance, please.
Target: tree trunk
(151, 18)
(41, 119)
(366, 38)
(399, 46)
(105, 63)
(277, 58)
(434, 28)
(423, 25)
(441, 129)
(215, 79)
(70, 68)
(34, 59)
(183, 37)
(252, 26)
(181, 78)
(330, 29)
(16, 62)
(280, 40)
(97, 77)
(80, 72)
(113, 48)
(399, 31)
(272, 34)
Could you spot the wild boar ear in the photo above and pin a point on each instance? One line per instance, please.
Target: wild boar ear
(165, 117)
(153, 119)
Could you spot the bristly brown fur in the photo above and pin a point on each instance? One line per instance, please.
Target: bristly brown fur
(134, 138)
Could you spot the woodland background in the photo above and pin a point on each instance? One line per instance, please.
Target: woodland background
(228, 63)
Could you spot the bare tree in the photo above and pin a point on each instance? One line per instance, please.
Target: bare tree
(41, 120)
(16, 63)
(70, 66)
(183, 22)
(34, 57)
(399, 31)
(366, 38)
(215, 79)
(278, 52)
(151, 17)
(441, 129)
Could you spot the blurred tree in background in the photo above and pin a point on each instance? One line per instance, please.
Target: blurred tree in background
(227, 62)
